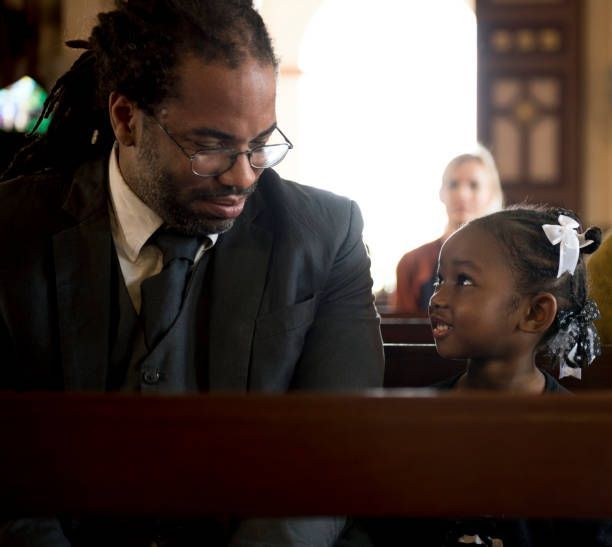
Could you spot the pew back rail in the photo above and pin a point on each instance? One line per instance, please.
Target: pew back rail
(249, 455)
(419, 365)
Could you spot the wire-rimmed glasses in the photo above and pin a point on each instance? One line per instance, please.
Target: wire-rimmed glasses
(216, 161)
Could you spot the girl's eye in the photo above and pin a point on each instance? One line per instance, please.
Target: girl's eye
(464, 281)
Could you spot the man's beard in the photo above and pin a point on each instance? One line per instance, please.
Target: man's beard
(177, 214)
(154, 187)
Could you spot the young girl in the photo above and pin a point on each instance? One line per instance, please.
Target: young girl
(511, 284)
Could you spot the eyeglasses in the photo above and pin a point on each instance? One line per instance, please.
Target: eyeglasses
(216, 161)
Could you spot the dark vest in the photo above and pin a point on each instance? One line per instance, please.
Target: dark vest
(178, 363)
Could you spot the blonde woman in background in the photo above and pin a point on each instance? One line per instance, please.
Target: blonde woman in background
(470, 188)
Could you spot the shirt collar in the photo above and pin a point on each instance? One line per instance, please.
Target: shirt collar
(134, 222)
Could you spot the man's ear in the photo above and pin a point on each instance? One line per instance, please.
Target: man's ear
(540, 314)
(122, 114)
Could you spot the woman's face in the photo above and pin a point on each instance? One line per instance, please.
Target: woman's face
(467, 193)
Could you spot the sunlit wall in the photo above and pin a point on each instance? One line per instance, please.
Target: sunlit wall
(383, 95)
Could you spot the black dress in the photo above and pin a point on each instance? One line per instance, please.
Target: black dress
(551, 384)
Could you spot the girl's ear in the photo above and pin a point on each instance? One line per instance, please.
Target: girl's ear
(540, 314)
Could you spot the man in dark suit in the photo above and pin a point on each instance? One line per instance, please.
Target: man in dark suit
(166, 125)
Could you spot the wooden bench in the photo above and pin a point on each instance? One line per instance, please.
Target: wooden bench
(405, 330)
(388, 453)
(418, 365)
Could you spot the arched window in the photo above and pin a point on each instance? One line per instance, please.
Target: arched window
(385, 96)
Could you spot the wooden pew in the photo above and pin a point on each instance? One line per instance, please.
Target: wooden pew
(405, 330)
(418, 365)
(388, 453)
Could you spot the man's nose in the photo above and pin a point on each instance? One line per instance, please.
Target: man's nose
(241, 175)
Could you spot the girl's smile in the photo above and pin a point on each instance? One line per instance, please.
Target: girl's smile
(439, 326)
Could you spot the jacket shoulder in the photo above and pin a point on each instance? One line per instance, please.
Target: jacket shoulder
(29, 203)
(310, 208)
(46, 188)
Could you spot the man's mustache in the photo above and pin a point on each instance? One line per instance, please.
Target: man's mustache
(230, 191)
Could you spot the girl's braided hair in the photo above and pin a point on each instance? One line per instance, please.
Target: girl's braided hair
(135, 50)
(572, 339)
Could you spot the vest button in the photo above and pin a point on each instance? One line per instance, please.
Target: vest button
(151, 376)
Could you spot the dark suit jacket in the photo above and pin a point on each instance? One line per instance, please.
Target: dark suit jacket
(290, 307)
(291, 303)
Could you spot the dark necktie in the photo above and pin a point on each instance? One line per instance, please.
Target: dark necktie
(162, 294)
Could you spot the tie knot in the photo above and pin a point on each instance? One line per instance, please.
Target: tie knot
(174, 245)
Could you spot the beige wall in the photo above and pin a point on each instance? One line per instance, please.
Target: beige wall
(286, 21)
(287, 27)
(78, 18)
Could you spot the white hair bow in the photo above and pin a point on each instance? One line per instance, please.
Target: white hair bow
(566, 370)
(570, 242)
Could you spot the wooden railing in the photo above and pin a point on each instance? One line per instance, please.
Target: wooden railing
(419, 365)
(405, 330)
(386, 453)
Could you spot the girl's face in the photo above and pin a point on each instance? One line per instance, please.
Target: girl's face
(475, 308)
(467, 193)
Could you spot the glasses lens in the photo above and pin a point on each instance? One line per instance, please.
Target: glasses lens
(211, 163)
(269, 155)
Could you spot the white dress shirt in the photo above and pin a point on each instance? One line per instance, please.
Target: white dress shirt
(132, 224)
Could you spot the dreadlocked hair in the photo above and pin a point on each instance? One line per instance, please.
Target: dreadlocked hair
(535, 261)
(135, 50)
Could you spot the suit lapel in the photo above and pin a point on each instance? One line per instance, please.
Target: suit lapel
(83, 272)
(239, 275)
(83, 261)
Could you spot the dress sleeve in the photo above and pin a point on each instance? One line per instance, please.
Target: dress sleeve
(414, 270)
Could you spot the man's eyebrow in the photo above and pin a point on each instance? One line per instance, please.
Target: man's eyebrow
(221, 135)
(266, 131)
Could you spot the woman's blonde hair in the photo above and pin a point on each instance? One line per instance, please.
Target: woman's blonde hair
(485, 158)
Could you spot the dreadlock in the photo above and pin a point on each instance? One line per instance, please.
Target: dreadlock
(134, 50)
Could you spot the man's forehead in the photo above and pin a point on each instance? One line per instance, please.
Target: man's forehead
(194, 71)
(214, 97)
